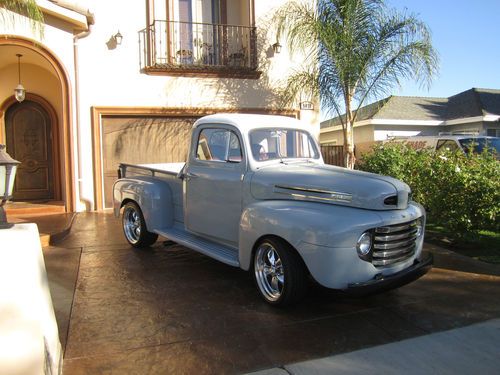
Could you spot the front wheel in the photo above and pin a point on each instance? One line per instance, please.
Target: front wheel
(279, 272)
(134, 227)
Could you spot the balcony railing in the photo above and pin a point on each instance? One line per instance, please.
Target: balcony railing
(179, 47)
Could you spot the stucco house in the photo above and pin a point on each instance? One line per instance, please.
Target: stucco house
(475, 111)
(113, 81)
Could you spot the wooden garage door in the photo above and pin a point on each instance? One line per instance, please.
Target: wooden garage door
(141, 140)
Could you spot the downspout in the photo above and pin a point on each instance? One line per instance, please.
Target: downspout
(88, 203)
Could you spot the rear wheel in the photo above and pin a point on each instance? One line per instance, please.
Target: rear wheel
(279, 272)
(134, 227)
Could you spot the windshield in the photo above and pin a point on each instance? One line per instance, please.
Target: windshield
(479, 144)
(270, 144)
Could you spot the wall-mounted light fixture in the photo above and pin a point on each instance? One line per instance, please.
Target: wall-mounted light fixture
(8, 167)
(19, 91)
(277, 47)
(118, 37)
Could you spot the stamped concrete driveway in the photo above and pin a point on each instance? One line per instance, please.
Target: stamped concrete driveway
(169, 310)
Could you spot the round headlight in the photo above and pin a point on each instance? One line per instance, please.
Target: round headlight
(364, 244)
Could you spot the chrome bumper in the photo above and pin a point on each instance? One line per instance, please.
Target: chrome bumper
(381, 284)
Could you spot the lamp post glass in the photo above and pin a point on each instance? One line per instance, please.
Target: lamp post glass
(8, 167)
(19, 93)
(7, 176)
(118, 38)
(277, 47)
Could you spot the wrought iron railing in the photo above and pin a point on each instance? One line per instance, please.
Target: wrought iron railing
(171, 45)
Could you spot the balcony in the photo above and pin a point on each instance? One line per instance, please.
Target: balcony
(198, 49)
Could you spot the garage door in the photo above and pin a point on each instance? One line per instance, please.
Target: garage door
(140, 140)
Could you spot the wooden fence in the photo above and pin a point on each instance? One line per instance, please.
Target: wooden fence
(333, 155)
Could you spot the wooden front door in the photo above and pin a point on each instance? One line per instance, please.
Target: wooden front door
(28, 131)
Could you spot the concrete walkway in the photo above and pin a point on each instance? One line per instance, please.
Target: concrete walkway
(469, 350)
(170, 310)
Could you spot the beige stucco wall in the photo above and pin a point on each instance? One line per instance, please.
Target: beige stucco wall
(112, 77)
(117, 70)
(361, 134)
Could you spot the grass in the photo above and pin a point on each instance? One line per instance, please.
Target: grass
(483, 246)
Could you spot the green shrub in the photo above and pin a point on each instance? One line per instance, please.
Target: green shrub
(460, 192)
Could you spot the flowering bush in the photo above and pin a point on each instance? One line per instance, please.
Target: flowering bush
(460, 192)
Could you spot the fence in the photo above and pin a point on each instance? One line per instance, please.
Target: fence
(333, 155)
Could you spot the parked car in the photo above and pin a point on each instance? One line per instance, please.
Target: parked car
(255, 194)
(466, 143)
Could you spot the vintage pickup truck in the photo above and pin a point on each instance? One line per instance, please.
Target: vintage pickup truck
(255, 194)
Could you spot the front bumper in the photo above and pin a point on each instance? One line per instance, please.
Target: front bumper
(383, 283)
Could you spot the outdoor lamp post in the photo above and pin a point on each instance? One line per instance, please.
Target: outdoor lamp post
(8, 167)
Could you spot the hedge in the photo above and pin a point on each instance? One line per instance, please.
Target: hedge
(460, 192)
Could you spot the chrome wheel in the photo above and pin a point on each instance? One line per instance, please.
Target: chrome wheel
(134, 227)
(132, 224)
(269, 272)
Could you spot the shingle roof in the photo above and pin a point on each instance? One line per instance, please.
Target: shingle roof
(470, 103)
(490, 100)
(413, 108)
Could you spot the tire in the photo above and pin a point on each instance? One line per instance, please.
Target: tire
(134, 227)
(279, 272)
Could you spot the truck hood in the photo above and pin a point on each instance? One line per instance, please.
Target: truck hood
(329, 184)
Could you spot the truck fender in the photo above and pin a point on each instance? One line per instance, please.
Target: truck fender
(153, 196)
(301, 223)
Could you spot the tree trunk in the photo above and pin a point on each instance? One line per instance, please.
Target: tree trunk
(350, 158)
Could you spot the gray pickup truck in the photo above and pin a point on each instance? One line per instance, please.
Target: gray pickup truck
(255, 194)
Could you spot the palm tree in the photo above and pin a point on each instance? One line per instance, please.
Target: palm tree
(355, 51)
(28, 8)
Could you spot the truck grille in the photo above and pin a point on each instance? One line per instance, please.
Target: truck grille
(395, 243)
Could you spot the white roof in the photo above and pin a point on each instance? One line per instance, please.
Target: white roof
(247, 122)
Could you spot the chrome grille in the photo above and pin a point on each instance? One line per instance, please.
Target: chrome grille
(394, 243)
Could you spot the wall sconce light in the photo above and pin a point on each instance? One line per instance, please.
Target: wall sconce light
(19, 91)
(118, 37)
(8, 167)
(277, 47)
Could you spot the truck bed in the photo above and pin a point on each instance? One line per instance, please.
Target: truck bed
(150, 169)
(166, 172)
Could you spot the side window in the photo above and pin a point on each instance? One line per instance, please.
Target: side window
(234, 154)
(493, 132)
(219, 145)
(446, 145)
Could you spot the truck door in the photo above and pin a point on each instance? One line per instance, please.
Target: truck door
(213, 183)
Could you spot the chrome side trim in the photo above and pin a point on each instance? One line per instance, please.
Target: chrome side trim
(303, 192)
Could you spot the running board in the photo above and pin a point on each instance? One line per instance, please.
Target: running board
(219, 252)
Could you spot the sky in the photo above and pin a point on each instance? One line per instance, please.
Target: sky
(466, 34)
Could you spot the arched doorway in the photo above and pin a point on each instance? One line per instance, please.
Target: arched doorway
(47, 174)
(29, 131)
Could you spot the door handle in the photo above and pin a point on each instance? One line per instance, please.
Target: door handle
(190, 175)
